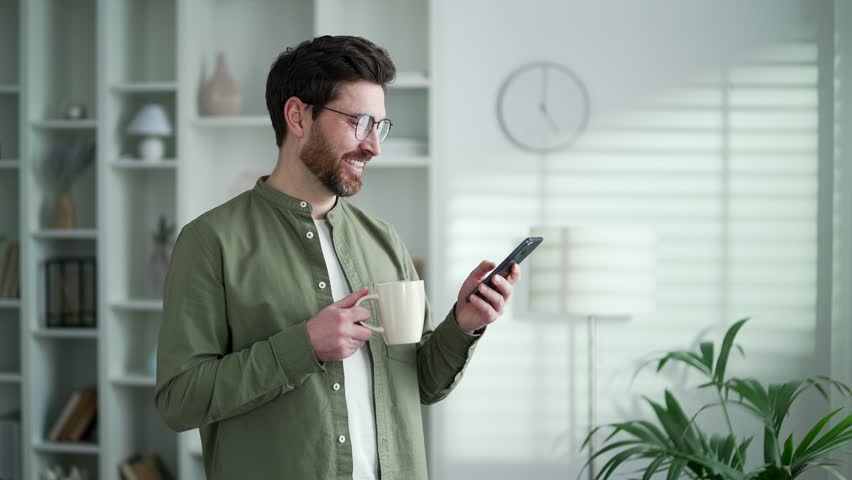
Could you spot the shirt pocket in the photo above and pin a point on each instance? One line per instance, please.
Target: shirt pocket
(406, 352)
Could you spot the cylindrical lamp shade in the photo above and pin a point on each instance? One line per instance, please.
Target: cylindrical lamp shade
(593, 270)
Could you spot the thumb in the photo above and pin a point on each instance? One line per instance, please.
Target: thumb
(349, 300)
(482, 269)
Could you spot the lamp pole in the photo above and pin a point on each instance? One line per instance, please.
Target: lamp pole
(592, 381)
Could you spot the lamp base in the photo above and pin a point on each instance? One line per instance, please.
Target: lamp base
(151, 149)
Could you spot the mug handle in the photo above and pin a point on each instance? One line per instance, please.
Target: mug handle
(364, 299)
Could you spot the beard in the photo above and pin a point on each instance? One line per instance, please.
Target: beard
(321, 159)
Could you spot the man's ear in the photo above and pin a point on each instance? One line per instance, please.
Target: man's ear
(295, 116)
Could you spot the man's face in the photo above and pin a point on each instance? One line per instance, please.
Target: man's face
(331, 152)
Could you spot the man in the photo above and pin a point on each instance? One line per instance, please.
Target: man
(261, 343)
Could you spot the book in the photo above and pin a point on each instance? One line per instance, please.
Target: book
(143, 467)
(14, 262)
(5, 273)
(61, 421)
(83, 417)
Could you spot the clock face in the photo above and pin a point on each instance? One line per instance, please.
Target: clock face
(543, 107)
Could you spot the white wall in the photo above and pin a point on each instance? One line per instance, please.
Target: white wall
(627, 53)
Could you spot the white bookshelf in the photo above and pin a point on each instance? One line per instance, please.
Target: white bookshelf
(114, 57)
(12, 326)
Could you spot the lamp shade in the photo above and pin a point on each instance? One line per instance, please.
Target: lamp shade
(593, 270)
(151, 120)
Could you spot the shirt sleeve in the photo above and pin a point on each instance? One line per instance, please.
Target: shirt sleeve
(443, 352)
(199, 381)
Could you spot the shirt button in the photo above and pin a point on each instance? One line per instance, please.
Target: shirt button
(336, 387)
(303, 204)
(310, 235)
(322, 285)
(341, 439)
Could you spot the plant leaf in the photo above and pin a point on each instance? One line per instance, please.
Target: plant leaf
(707, 354)
(689, 358)
(770, 447)
(722, 361)
(787, 455)
(652, 467)
(812, 433)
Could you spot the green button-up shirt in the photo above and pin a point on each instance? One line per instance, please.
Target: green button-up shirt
(234, 357)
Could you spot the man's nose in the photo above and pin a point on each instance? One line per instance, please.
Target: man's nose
(372, 143)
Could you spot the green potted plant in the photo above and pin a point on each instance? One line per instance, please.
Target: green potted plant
(677, 446)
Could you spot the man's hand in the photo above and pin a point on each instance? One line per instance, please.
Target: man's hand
(335, 332)
(479, 313)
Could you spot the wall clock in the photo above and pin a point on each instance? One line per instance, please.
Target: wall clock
(543, 107)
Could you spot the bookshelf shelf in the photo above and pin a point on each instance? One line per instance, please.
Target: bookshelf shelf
(145, 87)
(10, 378)
(66, 124)
(67, 333)
(10, 303)
(70, 448)
(405, 80)
(233, 121)
(138, 305)
(9, 164)
(138, 164)
(134, 380)
(80, 234)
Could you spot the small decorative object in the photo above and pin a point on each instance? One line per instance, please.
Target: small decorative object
(66, 163)
(220, 95)
(152, 123)
(56, 472)
(160, 256)
(76, 111)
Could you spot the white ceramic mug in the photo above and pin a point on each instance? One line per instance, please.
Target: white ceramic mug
(401, 307)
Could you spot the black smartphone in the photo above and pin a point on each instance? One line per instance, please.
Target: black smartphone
(518, 255)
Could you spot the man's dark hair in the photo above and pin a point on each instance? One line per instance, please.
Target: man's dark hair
(313, 70)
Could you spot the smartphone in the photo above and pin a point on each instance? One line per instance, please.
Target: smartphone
(518, 255)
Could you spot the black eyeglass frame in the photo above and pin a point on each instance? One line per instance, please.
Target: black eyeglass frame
(370, 118)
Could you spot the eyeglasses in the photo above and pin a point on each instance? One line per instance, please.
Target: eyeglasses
(365, 123)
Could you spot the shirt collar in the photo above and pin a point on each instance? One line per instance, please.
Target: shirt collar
(282, 200)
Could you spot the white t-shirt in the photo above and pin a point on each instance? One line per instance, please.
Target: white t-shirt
(357, 374)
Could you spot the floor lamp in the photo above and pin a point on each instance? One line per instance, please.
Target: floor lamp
(596, 272)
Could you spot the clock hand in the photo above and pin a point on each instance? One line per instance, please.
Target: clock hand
(549, 118)
(543, 105)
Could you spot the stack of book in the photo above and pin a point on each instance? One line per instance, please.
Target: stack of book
(10, 273)
(71, 292)
(77, 418)
(10, 447)
(147, 467)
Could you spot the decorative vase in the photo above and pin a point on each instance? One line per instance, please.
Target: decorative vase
(220, 95)
(63, 212)
(159, 264)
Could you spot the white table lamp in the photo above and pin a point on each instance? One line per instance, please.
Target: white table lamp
(593, 271)
(152, 123)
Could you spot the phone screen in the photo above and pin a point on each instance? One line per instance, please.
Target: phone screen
(518, 255)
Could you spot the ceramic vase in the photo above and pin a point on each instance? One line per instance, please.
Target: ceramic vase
(220, 95)
(63, 212)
